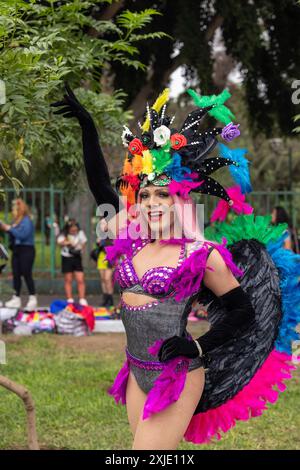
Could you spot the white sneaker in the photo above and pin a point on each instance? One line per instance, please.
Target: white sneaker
(83, 302)
(70, 300)
(14, 302)
(32, 303)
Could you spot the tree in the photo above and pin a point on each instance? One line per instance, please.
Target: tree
(260, 36)
(43, 43)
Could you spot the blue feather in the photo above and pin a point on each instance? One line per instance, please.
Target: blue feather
(240, 173)
(176, 171)
(288, 265)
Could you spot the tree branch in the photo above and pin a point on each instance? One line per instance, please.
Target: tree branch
(111, 10)
(146, 92)
(24, 394)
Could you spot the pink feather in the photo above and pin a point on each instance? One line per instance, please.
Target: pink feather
(251, 401)
(188, 278)
(118, 389)
(239, 205)
(183, 187)
(167, 387)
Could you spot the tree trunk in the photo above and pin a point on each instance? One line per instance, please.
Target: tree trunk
(24, 394)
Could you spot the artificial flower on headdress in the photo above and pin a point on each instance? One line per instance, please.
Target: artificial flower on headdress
(161, 135)
(136, 147)
(179, 157)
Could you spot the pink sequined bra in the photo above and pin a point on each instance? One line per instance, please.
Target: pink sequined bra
(155, 281)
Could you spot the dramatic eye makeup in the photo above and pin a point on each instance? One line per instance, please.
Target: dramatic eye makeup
(163, 194)
(143, 195)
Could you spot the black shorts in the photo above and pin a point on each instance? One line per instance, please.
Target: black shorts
(71, 264)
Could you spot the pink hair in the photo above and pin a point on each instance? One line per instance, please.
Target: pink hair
(186, 214)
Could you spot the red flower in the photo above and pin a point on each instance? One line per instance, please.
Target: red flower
(133, 180)
(178, 141)
(136, 147)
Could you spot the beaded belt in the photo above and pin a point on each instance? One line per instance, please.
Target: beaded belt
(152, 365)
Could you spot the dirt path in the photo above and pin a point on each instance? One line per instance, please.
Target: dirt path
(98, 342)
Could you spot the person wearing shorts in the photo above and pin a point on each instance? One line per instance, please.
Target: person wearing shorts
(72, 241)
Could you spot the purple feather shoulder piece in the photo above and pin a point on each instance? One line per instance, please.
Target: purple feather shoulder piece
(188, 278)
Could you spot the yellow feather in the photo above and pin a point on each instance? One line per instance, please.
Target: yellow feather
(161, 100)
(147, 162)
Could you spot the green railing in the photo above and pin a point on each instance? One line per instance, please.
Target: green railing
(53, 202)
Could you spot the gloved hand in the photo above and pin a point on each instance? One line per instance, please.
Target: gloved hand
(72, 107)
(177, 346)
(95, 166)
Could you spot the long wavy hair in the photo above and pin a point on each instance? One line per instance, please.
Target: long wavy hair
(282, 216)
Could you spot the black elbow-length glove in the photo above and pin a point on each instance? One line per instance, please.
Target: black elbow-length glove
(239, 316)
(94, 162)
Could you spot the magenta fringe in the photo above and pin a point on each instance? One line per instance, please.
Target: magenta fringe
(166, 389)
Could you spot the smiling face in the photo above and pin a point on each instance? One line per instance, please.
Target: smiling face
(73, 230)
(156, 206)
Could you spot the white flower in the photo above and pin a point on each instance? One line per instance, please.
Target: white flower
(161, 135)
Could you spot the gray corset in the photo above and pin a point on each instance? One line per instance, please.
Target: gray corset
(155, 322)
(137, 289)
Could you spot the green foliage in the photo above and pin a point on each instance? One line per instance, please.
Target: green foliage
(261, 36)
(41, 45)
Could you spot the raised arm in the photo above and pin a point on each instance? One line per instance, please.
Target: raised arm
(94, 162)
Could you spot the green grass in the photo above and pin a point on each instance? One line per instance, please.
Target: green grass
(68, 379)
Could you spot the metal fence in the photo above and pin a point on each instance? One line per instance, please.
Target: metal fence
(53, 203)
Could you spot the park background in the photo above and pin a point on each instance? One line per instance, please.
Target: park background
(117, 56)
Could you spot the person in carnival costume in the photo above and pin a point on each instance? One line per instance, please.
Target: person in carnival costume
(175, 386)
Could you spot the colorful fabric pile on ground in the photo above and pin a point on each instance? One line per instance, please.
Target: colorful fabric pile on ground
(35, 322)
(62, 318)
(107, 313)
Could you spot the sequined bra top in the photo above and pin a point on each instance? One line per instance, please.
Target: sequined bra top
(155, 281)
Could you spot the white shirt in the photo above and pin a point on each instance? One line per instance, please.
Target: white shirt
(77, 241)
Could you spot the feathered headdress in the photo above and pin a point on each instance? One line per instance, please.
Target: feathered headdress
(163, 155)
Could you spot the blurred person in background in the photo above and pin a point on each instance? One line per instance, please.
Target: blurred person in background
(279, 216)
(72, 241)
(21, 233)
(48, 225)
(104, 267)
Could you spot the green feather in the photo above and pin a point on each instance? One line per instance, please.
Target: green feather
(245, 227)
(161, 158)
(220, 112)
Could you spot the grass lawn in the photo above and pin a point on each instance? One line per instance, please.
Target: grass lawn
(68, 378)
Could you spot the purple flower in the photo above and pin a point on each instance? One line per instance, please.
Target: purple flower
(230, 132)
